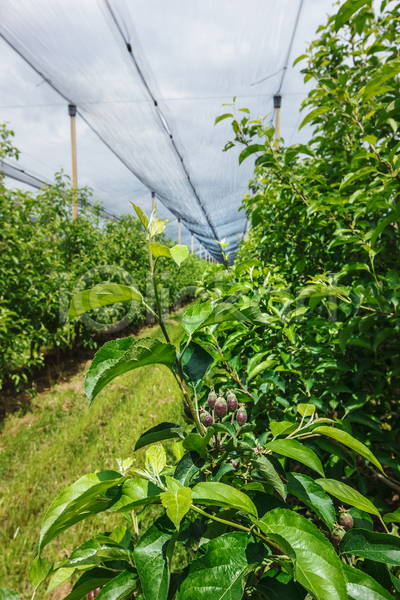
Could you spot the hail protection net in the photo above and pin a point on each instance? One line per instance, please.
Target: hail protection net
(150, 77)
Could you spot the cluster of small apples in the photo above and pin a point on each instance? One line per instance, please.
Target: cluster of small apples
(220, 407)
(345, 523)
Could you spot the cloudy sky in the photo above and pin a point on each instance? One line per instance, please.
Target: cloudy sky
(194, 56)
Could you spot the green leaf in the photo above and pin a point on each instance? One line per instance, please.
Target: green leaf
(78, 501)
(314, 114)
(95, 552)
(274, 589)
(39, 570)
(102, 294)
(222, 117)
(163, 431)
(362, 587)
(121, 535)
(220, 472)
(220, 494)
(136, 492)
(7, 594)
(361, 519)
(119, 588)
(265, 467)
(119, 356)
(345, 334)
(299, 58)
(348, 495)
(300, 453)
(306, 410)
(347, 10)
(156, 459)
(156, 226)
(383, 223)
(350, 177)
(331, 364)
(60, 577)
(153, 558)
(195, 316)
(316, 565)
(189, 465)
(255, 360)
(379, 572)
(196, 442)
(395, 580)
(222, 313)
(179, 253)
(177, 504)
(264, 502)
(383, 335)
(392, 110)
(390, 69)
(371, 139)
(195, 364)
(290, 155)
(381, 547)
(347, 440)
(250, 150)
(281, 427)
(219, 574)
(142, 216)
(178, 450)
(313, 495)
(89, 581)
(265, 365)
(159, 250)
(392, 517)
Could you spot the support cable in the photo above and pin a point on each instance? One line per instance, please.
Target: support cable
(290, 45)
(284, 68)
(22, 175)
(162, 119)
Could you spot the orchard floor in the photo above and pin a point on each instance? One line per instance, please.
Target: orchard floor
(60, 440)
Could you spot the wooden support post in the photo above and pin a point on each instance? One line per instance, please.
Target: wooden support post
(179, 231)
(153, 205)
(200, 251)
(277, 106)
(72, 113)
(192, 244)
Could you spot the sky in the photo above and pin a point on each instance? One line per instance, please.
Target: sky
(194, 56)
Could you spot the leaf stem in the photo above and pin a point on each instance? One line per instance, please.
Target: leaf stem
(181, 379)
(161, 321)
(241, 527)
(232, 372)
(384, 524)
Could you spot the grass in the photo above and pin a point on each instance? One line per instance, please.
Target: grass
(62, 439)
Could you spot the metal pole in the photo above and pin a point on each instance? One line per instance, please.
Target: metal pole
(277, 106)
(192, 245)
(179, 231)
(72, 113)
(200, 251)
